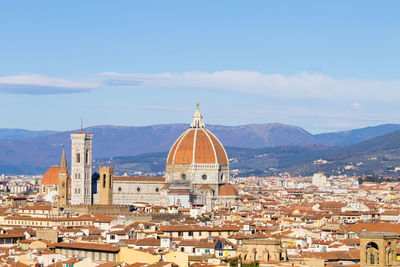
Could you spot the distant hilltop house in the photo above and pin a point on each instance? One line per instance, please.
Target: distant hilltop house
(197, 173)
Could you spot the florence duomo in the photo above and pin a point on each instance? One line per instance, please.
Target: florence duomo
(292, 158)
(197, 173)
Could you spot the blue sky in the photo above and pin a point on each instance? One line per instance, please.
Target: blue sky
(321, 65)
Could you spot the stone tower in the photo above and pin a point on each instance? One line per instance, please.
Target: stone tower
(63, 182)
(378, 249)
(81, 168)
(106, 185)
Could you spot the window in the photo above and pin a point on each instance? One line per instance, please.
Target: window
(112, 237)
(157, 189)
(78, 158)
(138, 189)
(110, 182)
(87, 157)
(119, 189)
(204, 177)
(183, 176)
(104, 181)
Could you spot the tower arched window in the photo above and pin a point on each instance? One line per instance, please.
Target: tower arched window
(372, 253)
(110, 182)
(104, 181)
(87, 156)
(78, 157)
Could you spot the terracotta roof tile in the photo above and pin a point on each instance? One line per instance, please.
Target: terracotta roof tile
(228, 190)
(51, 176)
(197, 145)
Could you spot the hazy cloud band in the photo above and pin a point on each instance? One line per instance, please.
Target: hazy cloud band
(33, 84)
(303, 85)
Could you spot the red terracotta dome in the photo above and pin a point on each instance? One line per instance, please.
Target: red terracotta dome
(197, 145)
(228, 190)
(51, 176)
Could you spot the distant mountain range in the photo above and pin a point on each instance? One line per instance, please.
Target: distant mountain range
(377, 156)
(354, 136)
(14, 134)
(33, 152)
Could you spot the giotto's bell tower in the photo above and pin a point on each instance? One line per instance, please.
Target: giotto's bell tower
(81, 168)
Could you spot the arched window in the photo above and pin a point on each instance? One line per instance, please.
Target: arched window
(87, 156)
(110, 182)
(372, 253)
(78, 158)
(372, 245)
(104, 181)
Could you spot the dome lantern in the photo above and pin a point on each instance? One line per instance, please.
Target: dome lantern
(197, 119)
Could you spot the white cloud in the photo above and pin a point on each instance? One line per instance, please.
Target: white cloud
(301, 85)
(297, 86)
(356, 105)
(34, 84)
